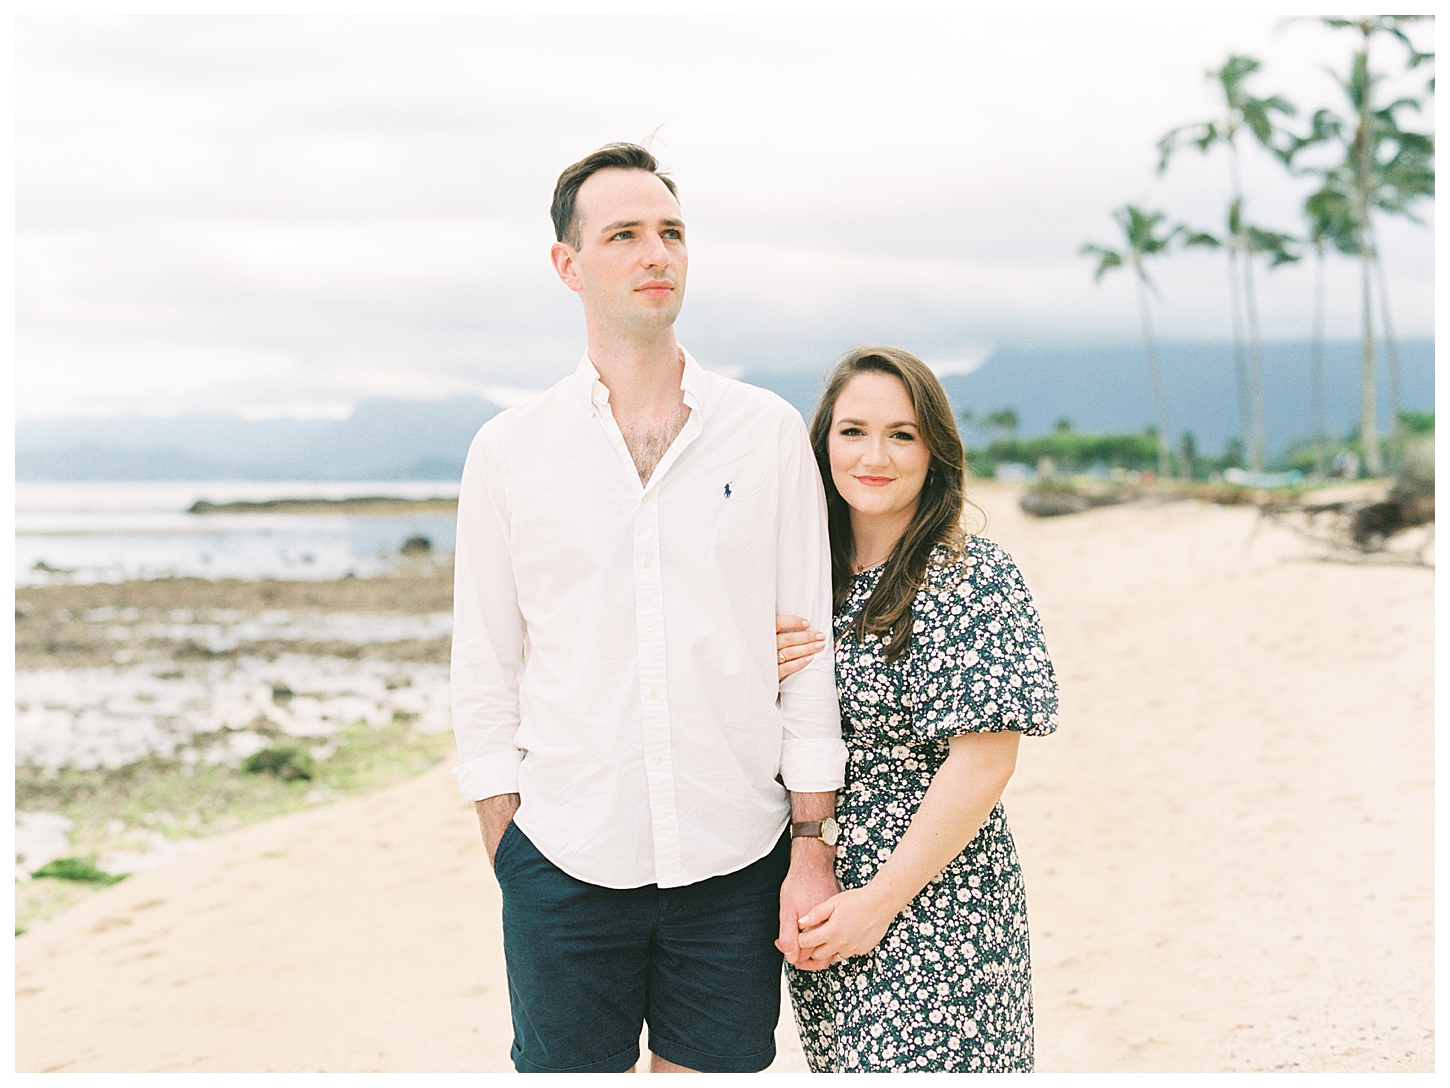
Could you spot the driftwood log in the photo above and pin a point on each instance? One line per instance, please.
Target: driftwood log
(1411, 501)
(1054, 502)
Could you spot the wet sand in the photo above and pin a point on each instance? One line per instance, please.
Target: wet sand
(1228, 849)
(67, 625)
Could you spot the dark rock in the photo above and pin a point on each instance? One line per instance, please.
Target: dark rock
(1049, 504)
(1411, 501)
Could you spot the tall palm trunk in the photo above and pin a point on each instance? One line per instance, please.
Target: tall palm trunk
(1316, 364)
(1368, 425)
(1254, 435)
(1241, 366)
(1160, 400)
(1256, 369)
(1392, 361)
(1368, 431)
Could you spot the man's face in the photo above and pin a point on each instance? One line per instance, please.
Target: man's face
(630, 266)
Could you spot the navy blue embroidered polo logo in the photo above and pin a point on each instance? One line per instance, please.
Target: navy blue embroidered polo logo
(727, 491)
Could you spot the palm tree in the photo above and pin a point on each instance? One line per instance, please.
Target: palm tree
(1202, 239)
(1141, 239)
(1384, 168)
(1004, 420)
(1242, 111)
(1331, 223)
(1278, 249)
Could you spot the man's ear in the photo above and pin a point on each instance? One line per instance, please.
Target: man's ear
(562, 254)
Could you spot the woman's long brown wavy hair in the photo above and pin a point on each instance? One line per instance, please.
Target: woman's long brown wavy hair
(938, 509)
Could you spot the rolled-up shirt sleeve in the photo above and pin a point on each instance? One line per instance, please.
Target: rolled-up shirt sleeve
(488, 633)
(813, 756)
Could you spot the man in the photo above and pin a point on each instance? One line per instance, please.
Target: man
(625, 541)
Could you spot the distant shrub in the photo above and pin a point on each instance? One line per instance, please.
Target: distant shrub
(1418, 422)
(1071, 451)
(1054, 485)
(287, 763)
(82, 870)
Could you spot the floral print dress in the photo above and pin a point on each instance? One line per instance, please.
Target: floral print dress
(949, 987)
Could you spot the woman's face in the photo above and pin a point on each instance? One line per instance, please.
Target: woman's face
(878, 457)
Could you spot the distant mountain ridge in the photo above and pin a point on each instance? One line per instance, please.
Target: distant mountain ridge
(381, 440)
(1096, 389)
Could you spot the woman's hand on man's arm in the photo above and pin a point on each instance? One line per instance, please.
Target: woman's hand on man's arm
(795, 644)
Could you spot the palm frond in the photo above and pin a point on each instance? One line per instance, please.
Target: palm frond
(1108, 259)
(1199, 239)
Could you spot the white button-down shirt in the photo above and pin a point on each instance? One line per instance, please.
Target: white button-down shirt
(614, 644)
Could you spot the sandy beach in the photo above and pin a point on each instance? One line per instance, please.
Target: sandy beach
(1228, 845)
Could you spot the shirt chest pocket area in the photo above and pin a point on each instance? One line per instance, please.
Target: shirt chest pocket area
(741, 511)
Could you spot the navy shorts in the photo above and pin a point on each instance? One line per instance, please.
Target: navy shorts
(588, 966)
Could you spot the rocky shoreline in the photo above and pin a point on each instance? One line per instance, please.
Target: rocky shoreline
(363, 504)
(151, 713)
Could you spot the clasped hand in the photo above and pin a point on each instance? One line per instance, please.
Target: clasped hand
(850, 923)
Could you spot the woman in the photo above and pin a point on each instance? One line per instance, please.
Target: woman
(921, 962)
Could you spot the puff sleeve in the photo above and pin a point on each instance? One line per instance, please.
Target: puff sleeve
(978, 659)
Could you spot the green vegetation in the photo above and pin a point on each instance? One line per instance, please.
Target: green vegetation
(1418, 422)
(193, 801)
(1243, 112)
(182, 801)
(1066, 452)
(1367, 165)
(1141, 240)
(81, 870)
(1071, 452)
(1375, 165)
(286, 762)
(1306, 454)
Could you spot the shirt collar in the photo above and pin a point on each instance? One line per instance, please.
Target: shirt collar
(595, 394)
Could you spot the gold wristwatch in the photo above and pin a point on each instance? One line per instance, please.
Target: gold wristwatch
(827, 830)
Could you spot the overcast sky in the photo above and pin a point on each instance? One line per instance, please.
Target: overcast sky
(281, 214)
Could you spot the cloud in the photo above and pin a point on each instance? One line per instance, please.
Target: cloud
(258, 212)
(944, 368)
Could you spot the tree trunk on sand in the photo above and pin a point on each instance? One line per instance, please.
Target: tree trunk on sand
(1316, 366)
(1241, 370)
(1256, 370)
(1368, 430)
(1392, 361)
(1363, 154)
(1160, 401)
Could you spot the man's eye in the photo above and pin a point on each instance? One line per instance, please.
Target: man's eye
(672, 233)
(622, 234)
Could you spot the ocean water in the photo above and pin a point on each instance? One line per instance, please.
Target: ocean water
(110, 532)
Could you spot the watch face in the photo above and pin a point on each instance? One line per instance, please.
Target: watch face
(830, 831)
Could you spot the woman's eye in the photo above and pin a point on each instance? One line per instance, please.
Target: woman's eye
(904, 436)
(850, 432)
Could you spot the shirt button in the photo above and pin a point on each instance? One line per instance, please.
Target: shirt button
(646, 560)
(644, 497)
(653, 694)
(659, 759)
(649, 626)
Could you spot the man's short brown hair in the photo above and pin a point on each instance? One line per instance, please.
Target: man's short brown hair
(620, 156)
